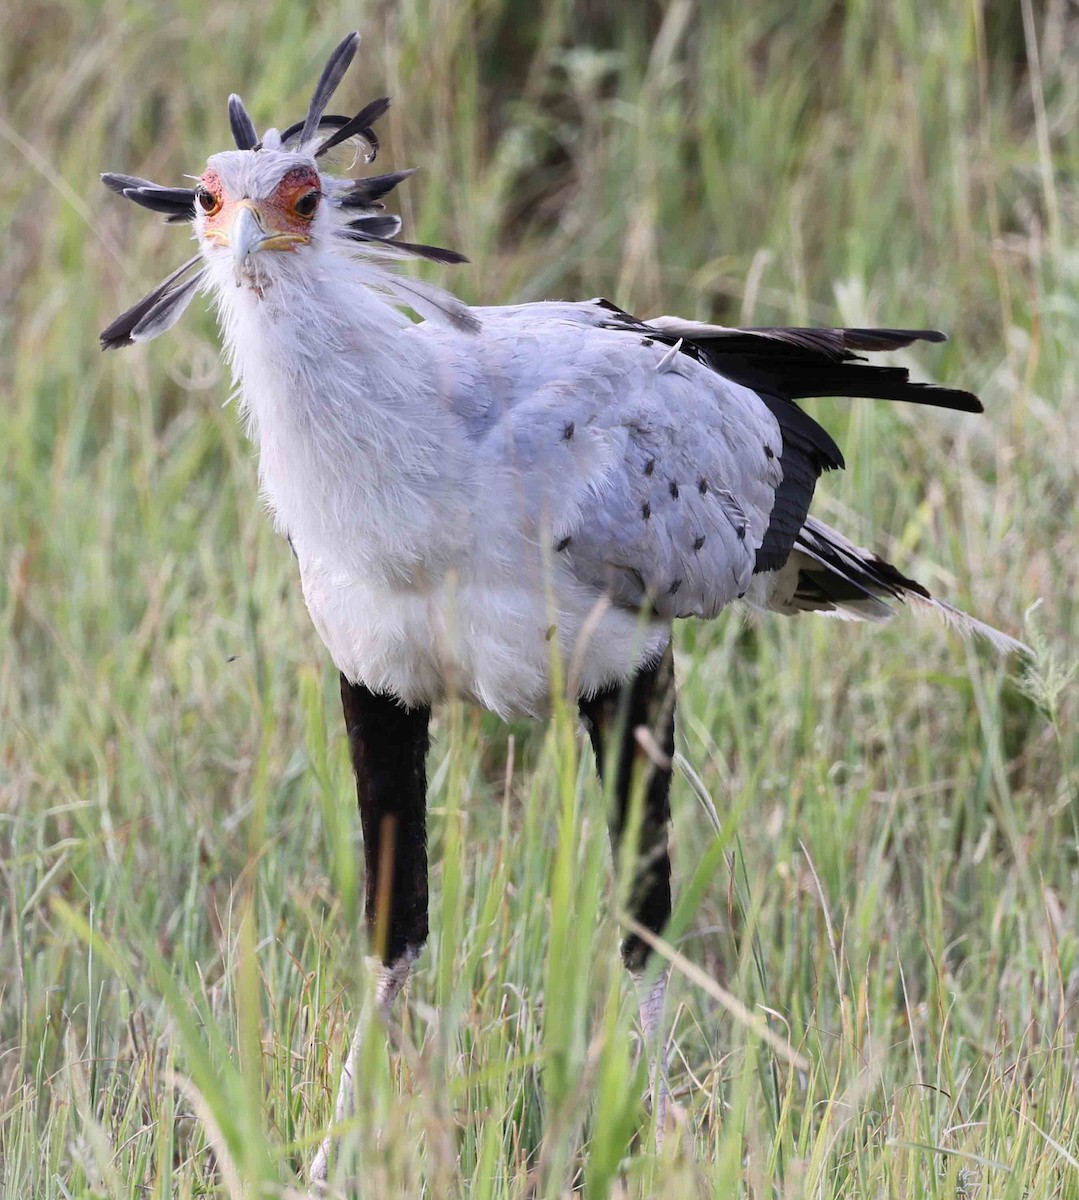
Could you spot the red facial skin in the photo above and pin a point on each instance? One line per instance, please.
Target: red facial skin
(277, 213)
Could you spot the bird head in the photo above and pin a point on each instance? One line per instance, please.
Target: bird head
(252, 206)
(258, 209)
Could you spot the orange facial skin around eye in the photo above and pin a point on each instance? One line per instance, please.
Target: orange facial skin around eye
(276, 213)
(280, 208)
(215, 218)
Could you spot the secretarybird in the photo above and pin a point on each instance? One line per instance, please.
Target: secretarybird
(476, 495)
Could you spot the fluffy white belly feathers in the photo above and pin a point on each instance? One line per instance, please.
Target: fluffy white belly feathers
(474, 499)
(428, 559)
(494, 641)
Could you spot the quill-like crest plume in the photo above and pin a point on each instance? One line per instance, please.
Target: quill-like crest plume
(358, 201)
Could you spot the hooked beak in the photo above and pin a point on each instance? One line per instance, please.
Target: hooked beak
(247, 236)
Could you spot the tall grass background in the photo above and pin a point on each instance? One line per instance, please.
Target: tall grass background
(891, 891)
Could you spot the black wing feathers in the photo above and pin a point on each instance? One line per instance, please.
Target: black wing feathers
(783, 365)
(808, 451)
(805, 363)
(848, 575)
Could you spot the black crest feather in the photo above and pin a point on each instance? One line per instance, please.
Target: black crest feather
(362, 231)
(119, 184)
(360, 124)
(160, 309)
(156, 311)
(331, 76)
(327, 121)
(432, 253)
(366, 193)
(243, 128)
(176, 203)
(377, 225)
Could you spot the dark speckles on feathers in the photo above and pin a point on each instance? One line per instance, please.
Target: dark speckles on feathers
(567, 431)
(646, 510)
(674, 490)
(650, 466)
(647, 341)
(769, 452)
(564, 543)
(698, 542)
(702, 486)
(674, 587)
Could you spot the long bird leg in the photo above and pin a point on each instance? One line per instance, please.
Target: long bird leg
(388, 744)
(634, 725)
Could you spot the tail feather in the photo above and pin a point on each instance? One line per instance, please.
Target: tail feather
(828, 574)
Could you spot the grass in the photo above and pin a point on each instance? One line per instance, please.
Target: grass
(892, 890)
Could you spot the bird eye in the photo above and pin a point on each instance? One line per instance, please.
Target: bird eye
(306, 204)
(207, 201)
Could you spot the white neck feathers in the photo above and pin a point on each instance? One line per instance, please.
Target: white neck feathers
(361, 458)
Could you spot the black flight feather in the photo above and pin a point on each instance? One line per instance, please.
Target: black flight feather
(120, 332)
(805, 363)
(243, 128)
(834, 344)
(785, 365)
(889, 339)
(360, 124)
(807, 451)
(331, 76)
(864, 574)
(804, 379)
(887, 383)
